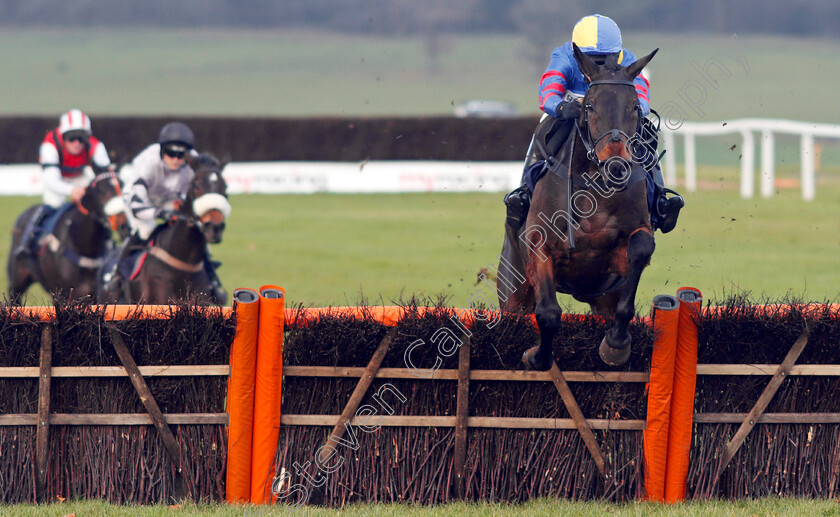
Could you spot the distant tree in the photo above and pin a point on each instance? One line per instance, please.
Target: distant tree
(437, 19)
(432, 20)
(545, 24)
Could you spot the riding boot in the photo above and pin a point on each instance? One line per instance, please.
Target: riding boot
(25, 245)
(668, 209)
(114, 278)
(217, 293)
(518, 201)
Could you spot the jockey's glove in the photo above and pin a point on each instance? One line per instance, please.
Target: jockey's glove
(166, 214)
(568, 110)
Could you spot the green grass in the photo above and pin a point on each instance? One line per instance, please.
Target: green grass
(327, 249)
(549, 508)
(295, 72)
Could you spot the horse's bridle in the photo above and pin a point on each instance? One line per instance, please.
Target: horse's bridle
(193, 218)
(616, 135)
(105, 219)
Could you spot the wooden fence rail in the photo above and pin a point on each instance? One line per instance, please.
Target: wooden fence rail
(110, 419)
(824, 370)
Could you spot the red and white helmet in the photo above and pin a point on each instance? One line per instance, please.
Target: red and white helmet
(74, 120)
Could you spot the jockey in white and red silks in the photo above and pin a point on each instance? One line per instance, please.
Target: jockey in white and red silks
(71, 157)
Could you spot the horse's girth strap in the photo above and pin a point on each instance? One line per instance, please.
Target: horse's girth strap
(54, 245)
(641, 229)
(171, 261)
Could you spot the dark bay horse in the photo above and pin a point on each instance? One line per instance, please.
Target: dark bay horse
(68, 258)
(588, 231)
(173, 265)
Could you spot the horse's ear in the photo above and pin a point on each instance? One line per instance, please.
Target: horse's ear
(192, 159)
(226, 159)
(636, 68)
(87, 200)
(586, 64)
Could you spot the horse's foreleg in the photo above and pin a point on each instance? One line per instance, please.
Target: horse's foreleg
(19, 279)
(615, 347)
(548, 315)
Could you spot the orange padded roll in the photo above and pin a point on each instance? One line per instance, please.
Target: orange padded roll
(240, 395)
(390, 315)
(269, 379)
(113, 312)
(387, 315)
(665, 324)
(682, 403)
(39, 313)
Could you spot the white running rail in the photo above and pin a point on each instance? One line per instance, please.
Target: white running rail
(765, 128)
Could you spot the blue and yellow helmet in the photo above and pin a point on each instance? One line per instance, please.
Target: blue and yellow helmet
(596, 34)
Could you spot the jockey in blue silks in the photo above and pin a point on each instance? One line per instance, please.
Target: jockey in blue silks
(561, 90)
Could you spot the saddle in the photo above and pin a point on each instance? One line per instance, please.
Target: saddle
(128, 267)
(45, 226)
(549, 138)
(550, 135)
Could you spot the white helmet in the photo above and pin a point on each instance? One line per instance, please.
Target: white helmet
(74, 120)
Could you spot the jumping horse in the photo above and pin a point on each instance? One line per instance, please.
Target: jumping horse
(588, 230)
(68, 257)
(173, 265)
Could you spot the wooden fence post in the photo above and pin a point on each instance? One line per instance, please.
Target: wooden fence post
(361, 387)
(351, 407)
(42, 433)
(181, 489)
(580, 421)
(761, 404)
(462, 413)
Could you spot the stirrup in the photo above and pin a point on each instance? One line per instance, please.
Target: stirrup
(670, 211)
(112, 280)
(518, 204)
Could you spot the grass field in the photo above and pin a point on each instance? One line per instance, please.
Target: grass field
(332, 249)
(302, 73)
(326, 249)
(769, 507)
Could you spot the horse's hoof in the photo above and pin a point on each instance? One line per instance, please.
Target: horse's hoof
(534, 361)
(613, 356)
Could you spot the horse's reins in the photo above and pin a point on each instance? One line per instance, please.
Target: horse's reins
(106, 221)
(616, 135)
(569, 229)
(192, 219)
(71, 254)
